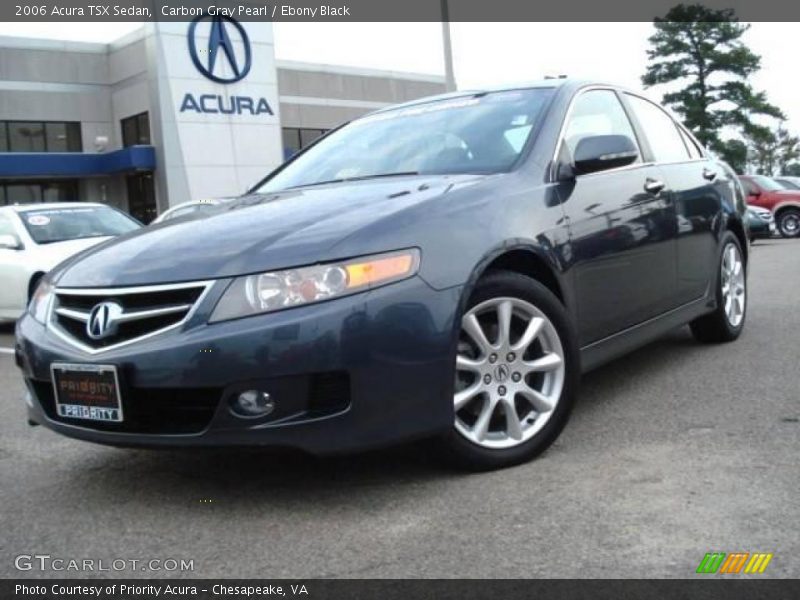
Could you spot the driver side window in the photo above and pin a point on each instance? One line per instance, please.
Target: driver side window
(596, 112)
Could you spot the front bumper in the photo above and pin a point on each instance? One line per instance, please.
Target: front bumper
(354, 373)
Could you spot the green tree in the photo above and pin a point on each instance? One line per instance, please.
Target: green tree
(701, 50)
(769, 151)
(735, 153)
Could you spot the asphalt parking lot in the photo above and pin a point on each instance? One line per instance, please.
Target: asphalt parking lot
(677, 450)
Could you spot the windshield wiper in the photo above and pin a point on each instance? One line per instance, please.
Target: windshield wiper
(377, 175)
(357, 178)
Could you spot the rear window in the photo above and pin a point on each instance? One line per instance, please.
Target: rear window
(50, 225)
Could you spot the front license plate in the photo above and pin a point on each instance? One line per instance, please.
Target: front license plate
(87, 392)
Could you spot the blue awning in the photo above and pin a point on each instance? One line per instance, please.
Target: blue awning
(77, 164)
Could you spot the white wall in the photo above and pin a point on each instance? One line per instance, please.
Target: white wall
(210, 155)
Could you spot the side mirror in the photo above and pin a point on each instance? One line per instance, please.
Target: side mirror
(603, 152)
(754, 193)
(10, 242)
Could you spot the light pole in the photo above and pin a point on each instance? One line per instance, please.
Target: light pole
(449, 75)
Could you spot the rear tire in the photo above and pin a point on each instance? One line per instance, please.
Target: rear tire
(516, 374)
(789, 222)
(725, 324)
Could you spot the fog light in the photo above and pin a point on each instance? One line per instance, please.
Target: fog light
(253, 403)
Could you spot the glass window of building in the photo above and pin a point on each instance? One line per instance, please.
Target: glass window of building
(291, 140)
(136, 130)
(23, 193)
(36, 136)
(143, 122)
(308, 136)
(63, 137)
(26, 136)
(297, 138)
(60, 191)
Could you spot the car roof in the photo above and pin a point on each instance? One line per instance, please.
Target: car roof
(551, 83)
(21, 208)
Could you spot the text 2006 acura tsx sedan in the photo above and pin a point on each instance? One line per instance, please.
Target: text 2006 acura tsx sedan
(444, 268)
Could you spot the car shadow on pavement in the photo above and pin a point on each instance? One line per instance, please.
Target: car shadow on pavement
(600, 387)
(278, 477)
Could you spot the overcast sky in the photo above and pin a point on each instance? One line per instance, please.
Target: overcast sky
(489, 53)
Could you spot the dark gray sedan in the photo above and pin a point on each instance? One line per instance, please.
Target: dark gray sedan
(445, 268)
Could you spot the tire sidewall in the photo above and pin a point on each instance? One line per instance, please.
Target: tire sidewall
(733, 331)
(791, 212)
(500, 284)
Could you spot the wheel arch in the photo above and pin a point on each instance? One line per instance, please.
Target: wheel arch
(784, 205)
(525, 259)
(736, 226)
(36, 277)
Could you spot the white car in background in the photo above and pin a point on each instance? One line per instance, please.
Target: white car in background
(193, 207)
(34, 238)
(789, 182)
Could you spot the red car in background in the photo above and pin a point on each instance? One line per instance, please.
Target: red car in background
(785, 204)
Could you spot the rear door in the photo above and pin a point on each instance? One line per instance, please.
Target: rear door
(621, 224)
(698, 187)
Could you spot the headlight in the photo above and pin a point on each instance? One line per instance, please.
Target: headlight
(40, 301)
(268, 292)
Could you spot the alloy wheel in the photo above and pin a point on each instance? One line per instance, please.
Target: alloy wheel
(733, 285)
(510, 372)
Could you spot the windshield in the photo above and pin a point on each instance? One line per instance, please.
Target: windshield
(788, 185)
(50, 225)
(765, 183)
(484, 133)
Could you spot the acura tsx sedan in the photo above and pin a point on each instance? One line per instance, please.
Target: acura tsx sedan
(446, 269)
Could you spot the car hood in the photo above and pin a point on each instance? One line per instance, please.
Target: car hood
(50, 255)
(254, 233)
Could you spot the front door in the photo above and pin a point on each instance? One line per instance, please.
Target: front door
(622, 228)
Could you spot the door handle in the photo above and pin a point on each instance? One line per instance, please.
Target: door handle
(653, 186)
(709, 174)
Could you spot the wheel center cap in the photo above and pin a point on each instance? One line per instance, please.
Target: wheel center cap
(501, 373)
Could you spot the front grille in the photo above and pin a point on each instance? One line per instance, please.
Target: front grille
(132, 312)
(157, 411)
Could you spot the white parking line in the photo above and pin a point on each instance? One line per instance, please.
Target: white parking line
(6, 350)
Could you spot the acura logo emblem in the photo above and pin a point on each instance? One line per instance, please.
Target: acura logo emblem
(501, 373)
(208, 60)
(103, 320)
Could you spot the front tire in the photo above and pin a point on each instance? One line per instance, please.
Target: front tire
(789, 222)
(516, 373)
(725, 324)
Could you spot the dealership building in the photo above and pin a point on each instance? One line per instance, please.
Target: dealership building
(170, 113)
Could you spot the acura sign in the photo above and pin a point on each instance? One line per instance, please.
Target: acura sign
(210, 61)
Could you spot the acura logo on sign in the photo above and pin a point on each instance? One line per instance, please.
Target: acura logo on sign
(103, 320)
(208, 60)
